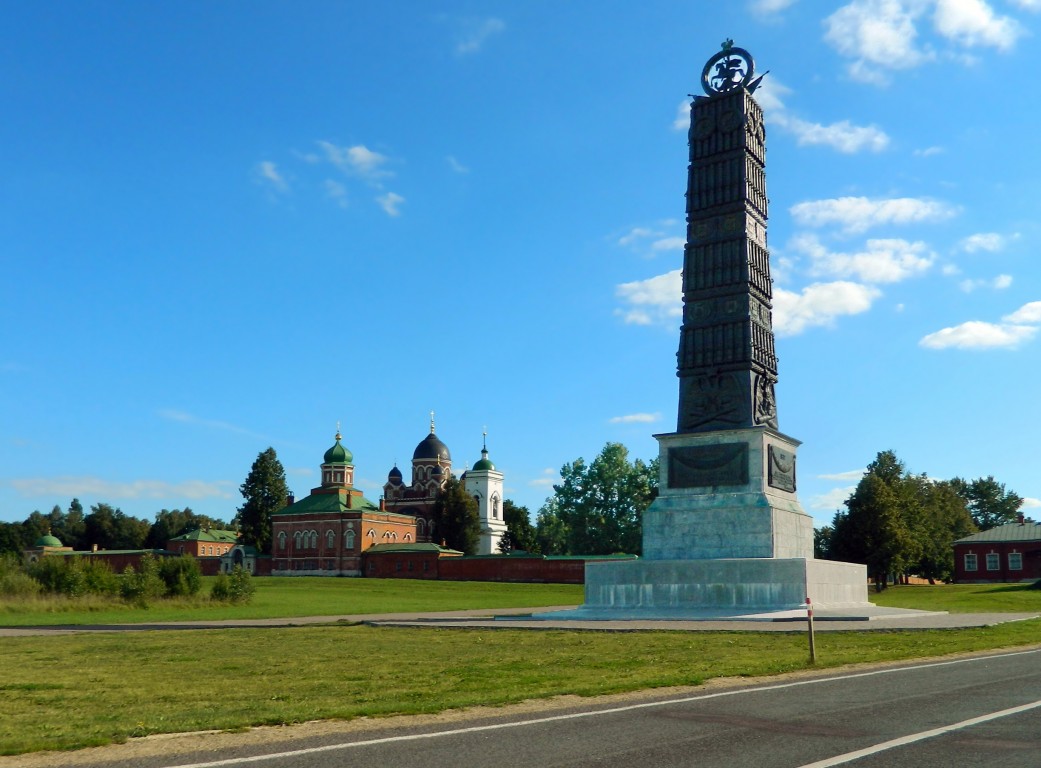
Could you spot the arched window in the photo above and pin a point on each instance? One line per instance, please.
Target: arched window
(296, 539)
(495, 506)
(281, 539)
(408, 537)
(330, 539)
(393, 536)
(348, 540)
(421, 526)
(314, 539)
(371, 534)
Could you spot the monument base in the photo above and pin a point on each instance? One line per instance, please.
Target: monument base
(671, 589)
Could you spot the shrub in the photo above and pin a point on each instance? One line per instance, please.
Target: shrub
(59, 575)
(235, 588)
(14, 581)
(144, 584)
(181, 575)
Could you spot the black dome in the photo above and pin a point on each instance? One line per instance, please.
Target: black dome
(394, 476)
(432, 448)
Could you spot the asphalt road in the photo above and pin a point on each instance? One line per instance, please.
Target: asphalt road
(976, 711)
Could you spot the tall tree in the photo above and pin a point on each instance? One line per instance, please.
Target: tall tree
(943, 518)
(177, 522)
(520, 533)
(551, 532)
(456, 518)
(989, 503)
(265, 492)
(601, 504)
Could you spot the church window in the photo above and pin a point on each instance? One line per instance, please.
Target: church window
(296, 539)
(281, 539)
(314, 539)
(495, 507)
(371, 534)
(330, 539)
(408, 537)
(393, 536)
(339, 477)
(327, 477)
(348, 540)
(421, 526)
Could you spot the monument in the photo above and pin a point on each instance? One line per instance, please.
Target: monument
(727, 534)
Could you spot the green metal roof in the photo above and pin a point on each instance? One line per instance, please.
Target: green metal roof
(338, 454)
(211, 535)
(48, 540)
(483, 464)
(328, 503)
(1007, 532)
(413, 547)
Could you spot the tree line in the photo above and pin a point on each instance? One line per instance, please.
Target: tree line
(898, 523)
(105, 526)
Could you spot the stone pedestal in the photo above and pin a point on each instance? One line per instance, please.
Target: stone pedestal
(727, 494)
(726, 536)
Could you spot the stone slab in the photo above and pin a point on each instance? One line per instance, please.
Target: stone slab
(674, 588)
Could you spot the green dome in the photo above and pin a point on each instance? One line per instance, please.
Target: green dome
(338, 454)
(48, 541)
(484, 463)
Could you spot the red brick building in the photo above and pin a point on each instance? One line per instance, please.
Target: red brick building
(325, 533)
(1007, 553)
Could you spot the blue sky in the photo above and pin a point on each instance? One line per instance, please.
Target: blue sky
(231, 225)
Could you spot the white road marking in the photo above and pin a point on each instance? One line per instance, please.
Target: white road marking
(630, 708)
(912, 738)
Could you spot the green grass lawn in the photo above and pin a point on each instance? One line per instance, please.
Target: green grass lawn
(67, 692)
(278, 597)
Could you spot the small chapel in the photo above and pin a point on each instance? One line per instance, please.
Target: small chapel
(327, 532)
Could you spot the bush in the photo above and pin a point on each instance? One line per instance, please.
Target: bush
(59, 575)
(181, 575)
(144, 584)
(14, 581)
(235, 588)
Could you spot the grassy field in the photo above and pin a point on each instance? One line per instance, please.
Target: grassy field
(314, 596)
(65, 692)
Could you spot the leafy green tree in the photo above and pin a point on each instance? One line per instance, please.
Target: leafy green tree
(942, 519)
(109, 527)
(822, 541)
(456, 518)
(177, 522)
(35, 526)
(989, 503)
(551, 532)
(265, 492)
(68, 526)
(12, 539)
(601, 504)
(520, 533)
(877, 527)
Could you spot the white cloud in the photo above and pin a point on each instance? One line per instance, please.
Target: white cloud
(853, 474)
(548, 479)
(857, 214)
(877, 35)
(818, 305)
(456, 166)
(682, 121)
(973, 23)
(842, 136)
(1027, 314)
(358, 160)
(267, 173)
(832, 500)
(984, 241)
(997, 283)
(1028, 5)
(636, 235)
(66, 486)
(979, 335)
(184, 417)
(1001, 282)
(635, 418)
(929, 151)
(477, 33)
(655, 300)
(669, 244)
(337, 192)
(390, 203)
(1030, 503)
(883, 261)
(770, 6)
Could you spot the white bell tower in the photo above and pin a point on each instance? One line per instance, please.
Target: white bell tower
(484, 483)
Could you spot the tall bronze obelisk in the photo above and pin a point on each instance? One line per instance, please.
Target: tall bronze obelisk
(726, 533)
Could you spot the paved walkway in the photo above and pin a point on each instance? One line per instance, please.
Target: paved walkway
(520, 618)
